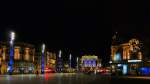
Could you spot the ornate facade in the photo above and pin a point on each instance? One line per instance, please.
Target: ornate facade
(23, 57)
(126, 57)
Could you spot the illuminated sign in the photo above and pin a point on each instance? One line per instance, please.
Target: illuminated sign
(134, 60)
(125, 69)
(145, 71)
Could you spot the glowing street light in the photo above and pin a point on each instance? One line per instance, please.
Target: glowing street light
(10, 65)
(77, 63)
(70, 56)
(43, 53)
(12, 38)
(60, 54)
(59, 62)
(43, 48)
(77, 59)
(12, 35)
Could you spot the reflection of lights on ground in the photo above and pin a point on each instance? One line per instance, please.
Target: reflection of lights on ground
(9, 77)
(22, 76)
(46, 76)
(139, 77)
(30, 76)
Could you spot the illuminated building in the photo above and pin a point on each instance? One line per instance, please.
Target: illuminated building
(126, 57)
(89, 62)
(51, 60)
(59, 65)
(23, 57)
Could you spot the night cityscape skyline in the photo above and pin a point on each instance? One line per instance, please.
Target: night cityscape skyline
(74, 42)
(72, 30)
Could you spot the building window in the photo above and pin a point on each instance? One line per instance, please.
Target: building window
(27, 54)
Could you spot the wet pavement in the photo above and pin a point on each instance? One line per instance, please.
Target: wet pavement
(55, 78)
(129, 80)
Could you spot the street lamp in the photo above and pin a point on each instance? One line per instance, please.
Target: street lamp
(60, 54)
(70, 56)
(43, 53)
(59, 61)
(77, 63)
(11, 62)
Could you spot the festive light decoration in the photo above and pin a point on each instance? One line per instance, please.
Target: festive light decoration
(10, 65)
(42, 66)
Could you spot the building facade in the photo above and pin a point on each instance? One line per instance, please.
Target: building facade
(50, 60)
(89, 63)
(23, 57)
(126, 58)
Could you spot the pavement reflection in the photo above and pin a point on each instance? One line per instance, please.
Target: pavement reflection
(52, 78)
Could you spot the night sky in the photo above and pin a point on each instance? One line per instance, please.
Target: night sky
(75, 27)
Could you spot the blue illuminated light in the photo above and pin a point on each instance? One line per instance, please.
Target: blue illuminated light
(42, 62)
(10, 67)
(125, 69)
(117, 57)
(119, 65)
(145, 71)
(89, 63)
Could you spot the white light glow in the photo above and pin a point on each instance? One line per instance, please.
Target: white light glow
(125, 69)
(77, 59)
(134, 60)
(43, 48)
(119, 65)
(60, 54)
(12, 36)
(70, 56)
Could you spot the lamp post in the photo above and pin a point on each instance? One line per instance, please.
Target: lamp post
(70, 56)
(59, 62)
(77, 64)
(60, 54)
(43, 53)
(11, 54)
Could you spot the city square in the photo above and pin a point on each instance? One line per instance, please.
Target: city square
(73, 42)
(58, 78)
